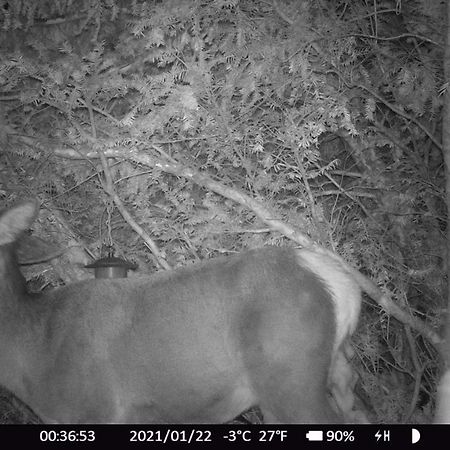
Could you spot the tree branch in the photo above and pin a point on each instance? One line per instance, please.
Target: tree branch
(265, 215)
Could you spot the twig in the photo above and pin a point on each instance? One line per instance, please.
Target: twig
(108, 186)
(418, 374)
(399, 36)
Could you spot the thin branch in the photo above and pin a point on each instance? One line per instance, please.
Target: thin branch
(281, 13)
(108, 186)
(375, 13)
(100, 111)
(419, 369)
(347, 194)
(394, 38)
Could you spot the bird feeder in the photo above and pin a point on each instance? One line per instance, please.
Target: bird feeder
(111, 267)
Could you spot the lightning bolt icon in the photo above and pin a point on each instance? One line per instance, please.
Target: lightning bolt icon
(378, 435)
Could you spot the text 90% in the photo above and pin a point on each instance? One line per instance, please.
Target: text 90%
(340, 436)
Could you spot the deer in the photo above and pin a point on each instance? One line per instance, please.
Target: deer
(198, 344)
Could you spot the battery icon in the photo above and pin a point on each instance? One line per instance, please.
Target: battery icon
(314, 435)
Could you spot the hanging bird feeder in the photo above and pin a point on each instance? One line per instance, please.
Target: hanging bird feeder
(111, 267)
